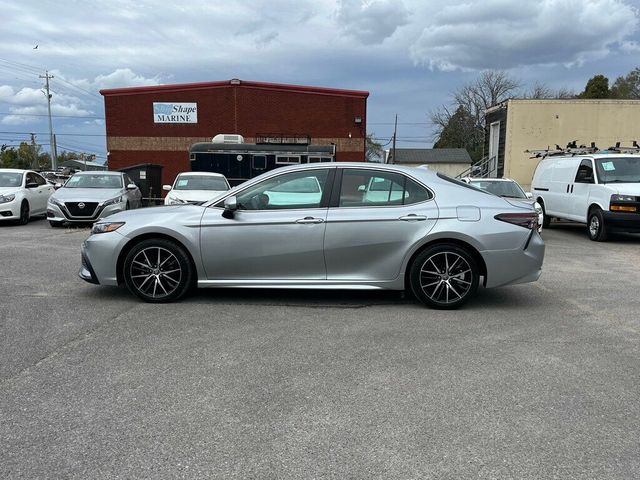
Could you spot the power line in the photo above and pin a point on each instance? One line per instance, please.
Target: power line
(45, 115)
(58, 134)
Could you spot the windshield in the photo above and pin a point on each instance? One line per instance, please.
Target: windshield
(8, 179)
(618, 169)
(502, 189)
(201, 182)
(97, 180)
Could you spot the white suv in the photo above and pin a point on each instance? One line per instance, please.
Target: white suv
(601, 190)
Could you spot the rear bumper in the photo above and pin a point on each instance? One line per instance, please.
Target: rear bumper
(520, 265)
(622, 221)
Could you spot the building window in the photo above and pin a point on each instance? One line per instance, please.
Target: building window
(287, 159)
(259, 162)
(319, 159)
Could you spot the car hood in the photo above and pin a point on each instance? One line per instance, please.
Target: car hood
(9, 190)
(196, 195)
(625, 188)
(86, 194)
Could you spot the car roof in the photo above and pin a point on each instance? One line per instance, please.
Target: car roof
(14, 170)
(97, 172)
(207, 174)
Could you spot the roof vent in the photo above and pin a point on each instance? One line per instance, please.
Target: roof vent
(227, 138)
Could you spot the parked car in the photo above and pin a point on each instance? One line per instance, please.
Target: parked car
(439, 238)
(507, 188)
(599, 190)
(23, 194)
(195, 188)
(89, 196)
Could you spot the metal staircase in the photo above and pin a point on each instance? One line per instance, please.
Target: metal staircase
(486, 167)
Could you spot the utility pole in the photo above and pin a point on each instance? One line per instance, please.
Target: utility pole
(34, 163)
(393, 148)
(54, 156)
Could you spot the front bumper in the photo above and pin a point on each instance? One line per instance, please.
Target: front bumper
(520, 265)
(99, 256)
(56, 213)
(9, 210)
(622, 221)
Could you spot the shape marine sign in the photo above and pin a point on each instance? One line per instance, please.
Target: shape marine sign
(175, 112)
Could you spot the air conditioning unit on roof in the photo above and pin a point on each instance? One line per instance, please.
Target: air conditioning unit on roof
(227, 138)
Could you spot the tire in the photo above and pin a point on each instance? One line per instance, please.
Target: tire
(55, 224)
(596, 226)
(24, 213)
(163, 281)
(546, 220)
(444, 276)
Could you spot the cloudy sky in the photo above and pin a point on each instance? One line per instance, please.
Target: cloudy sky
(409, 54)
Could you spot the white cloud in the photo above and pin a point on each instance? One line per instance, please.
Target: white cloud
(506, 34)
(371, 21)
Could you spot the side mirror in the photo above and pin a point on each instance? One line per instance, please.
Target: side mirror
(131, 186)
(529, 194)
(31, 185)
(166, 188)
(230, 206)
(362, 188)
(57, 186)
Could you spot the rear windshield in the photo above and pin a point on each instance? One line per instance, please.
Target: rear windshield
(501, 189)
(461, 184)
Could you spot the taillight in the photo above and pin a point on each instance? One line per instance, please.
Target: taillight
(526, 219)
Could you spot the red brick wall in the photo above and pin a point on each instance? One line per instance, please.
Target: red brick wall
(257, 110)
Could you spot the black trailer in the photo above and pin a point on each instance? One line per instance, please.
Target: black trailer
(241, 161)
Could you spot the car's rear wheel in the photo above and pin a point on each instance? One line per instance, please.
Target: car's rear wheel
(158, 270)
(597, 229)
(24, 213)
(444, 276)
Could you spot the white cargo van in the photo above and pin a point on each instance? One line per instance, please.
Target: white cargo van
(601, 190)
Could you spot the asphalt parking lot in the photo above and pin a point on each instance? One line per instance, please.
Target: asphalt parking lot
(528, 382)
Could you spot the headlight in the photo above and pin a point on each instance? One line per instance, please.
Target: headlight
(113, 201)
(176, 201)
(105, 227)
(7, 198)
(623, 198)
(55, 201)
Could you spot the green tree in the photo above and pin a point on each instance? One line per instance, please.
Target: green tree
(374, 151)
(597, 87)
(27, 155)
(462, 131)
(627, 87)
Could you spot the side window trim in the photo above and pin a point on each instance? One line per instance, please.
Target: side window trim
(337, 189)
(324, 200)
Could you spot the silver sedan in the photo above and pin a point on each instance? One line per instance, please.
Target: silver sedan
(88, 196)
(338, 226)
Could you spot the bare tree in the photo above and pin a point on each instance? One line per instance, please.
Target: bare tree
(490, 88)
(540, 91)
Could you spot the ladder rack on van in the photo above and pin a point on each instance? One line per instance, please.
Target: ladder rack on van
(573, 149)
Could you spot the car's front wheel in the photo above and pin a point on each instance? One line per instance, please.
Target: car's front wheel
(444, 276)
(597, 229)
(158, 270)
(24, 213)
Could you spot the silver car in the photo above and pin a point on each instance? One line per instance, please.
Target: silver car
(89, 196)
(339, 226)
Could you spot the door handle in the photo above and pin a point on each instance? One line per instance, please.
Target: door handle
(412, 217)
(310, 220)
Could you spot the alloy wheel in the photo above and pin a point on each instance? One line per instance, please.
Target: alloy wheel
(155, 272)
(446, 277)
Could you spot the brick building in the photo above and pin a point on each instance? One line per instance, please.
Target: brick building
(158, 124)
